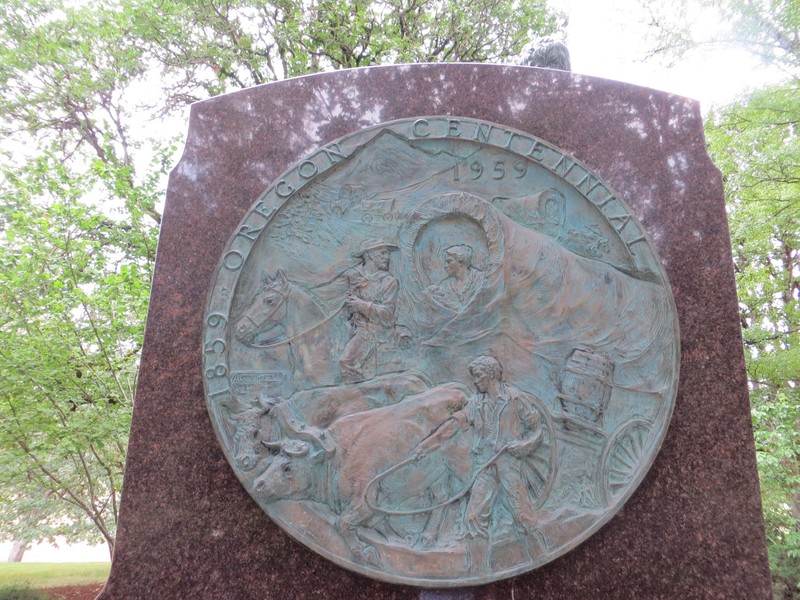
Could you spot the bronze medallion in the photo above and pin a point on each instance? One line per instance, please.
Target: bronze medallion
(440, 352)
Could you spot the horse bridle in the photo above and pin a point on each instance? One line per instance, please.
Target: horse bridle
(283, 298)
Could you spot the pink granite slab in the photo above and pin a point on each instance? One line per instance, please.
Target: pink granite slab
(692, 530)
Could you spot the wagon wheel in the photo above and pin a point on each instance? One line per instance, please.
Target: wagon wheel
(621, 458)
(541, 465)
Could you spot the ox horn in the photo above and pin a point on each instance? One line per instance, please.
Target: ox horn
(296, 448)
(268, 402)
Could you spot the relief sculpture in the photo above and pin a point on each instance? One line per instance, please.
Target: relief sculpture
(462, 281)
(450, 354)
(371, 297)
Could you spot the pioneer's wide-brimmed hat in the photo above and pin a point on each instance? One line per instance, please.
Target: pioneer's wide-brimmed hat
(373, 244)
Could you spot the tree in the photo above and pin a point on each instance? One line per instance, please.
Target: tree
(238, 44)
(72, 302)
(754, 142)
(81, 187)
(767, 29)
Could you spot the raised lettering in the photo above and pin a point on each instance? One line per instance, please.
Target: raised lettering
(605, 201)
(622, 220)
(287, 189)
(483, 132)
(537, 147)
(216, 320)
(217, 346)
(307, 169)
(641, 238)
(587, 184)
(249, 232)
(499, 170)
(218, 371)
(262, 210)
(213, 395)
(333, 153)
(477, 169)
(233, 260)
(458, 246)
(421, 128)
(563, 166)
(453, 128)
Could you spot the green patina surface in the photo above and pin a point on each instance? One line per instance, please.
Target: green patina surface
(440, 352)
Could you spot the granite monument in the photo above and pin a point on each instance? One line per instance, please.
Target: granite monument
(441, 349)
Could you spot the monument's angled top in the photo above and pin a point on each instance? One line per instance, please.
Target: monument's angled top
(475, 68)
(574, 112)
(371, 95)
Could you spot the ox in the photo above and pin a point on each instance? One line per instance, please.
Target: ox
(319, 407)
(254, 425)
(309, 411)
(366, 445)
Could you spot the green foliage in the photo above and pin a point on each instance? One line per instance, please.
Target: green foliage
(755, 144)
(767, 29)
(72, 302)
(211, 47)
(80, 187)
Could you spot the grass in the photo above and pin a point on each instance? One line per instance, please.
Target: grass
(21, 593)
(44, 575)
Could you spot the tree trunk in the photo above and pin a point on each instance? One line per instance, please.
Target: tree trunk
(17, 550)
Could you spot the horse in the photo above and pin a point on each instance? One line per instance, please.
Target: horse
(282, 315)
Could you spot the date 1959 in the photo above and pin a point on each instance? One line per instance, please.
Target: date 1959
(499, 169)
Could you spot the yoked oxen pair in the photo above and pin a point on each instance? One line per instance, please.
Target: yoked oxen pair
(270, 418)
(366, 445)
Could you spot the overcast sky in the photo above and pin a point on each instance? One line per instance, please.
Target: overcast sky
(606, 38)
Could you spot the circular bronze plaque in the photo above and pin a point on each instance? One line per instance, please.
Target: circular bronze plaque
(440, 352)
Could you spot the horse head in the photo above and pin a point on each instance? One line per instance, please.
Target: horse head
(266, 311)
